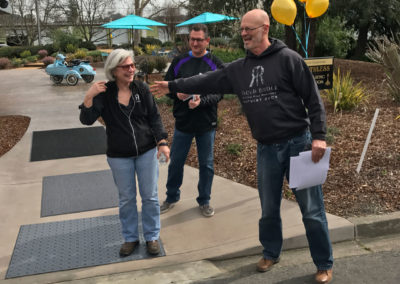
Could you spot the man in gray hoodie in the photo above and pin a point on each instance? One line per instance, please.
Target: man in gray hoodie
(286, 116)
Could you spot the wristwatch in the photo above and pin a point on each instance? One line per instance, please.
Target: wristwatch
(162, 144)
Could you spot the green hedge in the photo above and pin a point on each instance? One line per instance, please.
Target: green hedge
(228, 55)
(15, 51)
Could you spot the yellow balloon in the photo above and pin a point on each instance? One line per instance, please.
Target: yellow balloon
(284, 11)
(316, 8)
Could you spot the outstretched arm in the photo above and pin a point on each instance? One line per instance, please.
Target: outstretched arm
(159, 88)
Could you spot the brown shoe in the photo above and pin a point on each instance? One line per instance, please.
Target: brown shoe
(264, 265)
(153, 247)
(127, 248)
(323, 276)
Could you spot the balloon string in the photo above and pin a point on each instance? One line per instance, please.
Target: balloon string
(307, 34)
(306, 30)
(299, 40)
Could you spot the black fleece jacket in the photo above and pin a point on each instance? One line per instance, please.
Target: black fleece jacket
(277, 91)
(204, 117)
(127, 135)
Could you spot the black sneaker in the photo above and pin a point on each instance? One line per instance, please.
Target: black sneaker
(166, 206)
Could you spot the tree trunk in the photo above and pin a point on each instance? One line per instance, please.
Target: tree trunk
(361, 42)
(311, 38)
(290, 38)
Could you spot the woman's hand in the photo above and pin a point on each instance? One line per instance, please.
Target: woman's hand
(95, 89)
(165, 150)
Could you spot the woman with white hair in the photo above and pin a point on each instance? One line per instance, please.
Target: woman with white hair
(135, 139)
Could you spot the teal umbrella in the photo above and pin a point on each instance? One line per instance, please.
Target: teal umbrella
(206, 18)
(132, 22)
(126, 27)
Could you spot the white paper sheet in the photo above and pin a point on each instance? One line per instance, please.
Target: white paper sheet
(305, 173)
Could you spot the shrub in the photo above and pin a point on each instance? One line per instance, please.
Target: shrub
(16, 62)
(61, 38)
(160, 63)
(25, 54)
(149, 48)
(149, 40)
(234, 149)
(168, 44)
(42, 53)
(80, 54)
(228, 54)
(4, 62)
(96, 55)
(137, 50)
(219, 41)
(89, 58)
(15, 51)
(70, 48)
(345, 95)
(88, 45)
(147, 65)
(386, 52)
(331, 134)
(164, 100)
(32, 58)
(48, 60)
(332, 39)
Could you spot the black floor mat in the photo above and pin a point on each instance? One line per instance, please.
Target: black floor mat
(68, 143)
(58, 246)
(80, 192)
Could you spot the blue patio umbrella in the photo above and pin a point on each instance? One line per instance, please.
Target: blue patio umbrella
(126, 27)
(132, 22)
(206, 18)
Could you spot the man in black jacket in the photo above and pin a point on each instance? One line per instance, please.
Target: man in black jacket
(286, 116)
(195, 117)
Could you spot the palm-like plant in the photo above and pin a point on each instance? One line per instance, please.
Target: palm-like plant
(386, 52)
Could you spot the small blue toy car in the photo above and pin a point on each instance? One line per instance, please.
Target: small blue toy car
(73, 71)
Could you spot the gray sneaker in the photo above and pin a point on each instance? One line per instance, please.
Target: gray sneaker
(166, 206)
(207, 210)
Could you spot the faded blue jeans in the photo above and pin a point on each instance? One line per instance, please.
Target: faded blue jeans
(179, 150)
(273, 163)
(124, 170)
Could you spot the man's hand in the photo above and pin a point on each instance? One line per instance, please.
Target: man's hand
(195, 102)
(318, 150)
(159, 88)
(182, 96)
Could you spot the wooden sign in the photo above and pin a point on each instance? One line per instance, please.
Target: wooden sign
(322, 69)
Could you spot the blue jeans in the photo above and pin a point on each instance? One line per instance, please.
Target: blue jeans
(273, 163)
(179, 150)
(124, 170)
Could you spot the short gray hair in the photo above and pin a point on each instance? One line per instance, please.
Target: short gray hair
(115, 58)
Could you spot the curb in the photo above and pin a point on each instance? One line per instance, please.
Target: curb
(376, 225)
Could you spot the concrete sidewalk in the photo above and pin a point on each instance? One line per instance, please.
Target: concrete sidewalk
(186, 235)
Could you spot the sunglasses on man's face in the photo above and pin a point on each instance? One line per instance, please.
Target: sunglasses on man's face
(126, 67)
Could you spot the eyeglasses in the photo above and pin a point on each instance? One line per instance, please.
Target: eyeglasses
(246, 29)
(200, 40)
(127, 66)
